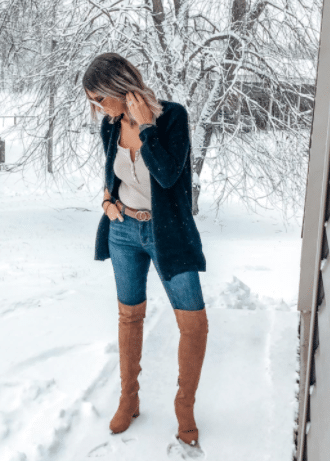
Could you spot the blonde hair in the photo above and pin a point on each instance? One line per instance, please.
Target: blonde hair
(109, 74)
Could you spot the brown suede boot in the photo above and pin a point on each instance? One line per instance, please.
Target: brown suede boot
(130, 336)
(193, 327)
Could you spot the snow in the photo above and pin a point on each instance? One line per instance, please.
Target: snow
(59, 373)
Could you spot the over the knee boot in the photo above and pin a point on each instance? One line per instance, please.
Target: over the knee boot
(130, 336)
(193, 327)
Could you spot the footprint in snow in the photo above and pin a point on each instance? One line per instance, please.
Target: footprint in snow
(126, 440)
(179, 450)
(101, 450)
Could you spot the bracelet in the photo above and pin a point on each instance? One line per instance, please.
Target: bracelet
(105, 200)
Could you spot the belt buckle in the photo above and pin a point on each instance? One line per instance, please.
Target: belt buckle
(145, 216)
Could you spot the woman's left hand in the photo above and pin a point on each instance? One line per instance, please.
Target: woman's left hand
(138, 108)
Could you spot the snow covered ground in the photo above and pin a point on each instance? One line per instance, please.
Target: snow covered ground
(59, 373)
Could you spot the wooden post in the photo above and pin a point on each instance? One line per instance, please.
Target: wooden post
(311, 252)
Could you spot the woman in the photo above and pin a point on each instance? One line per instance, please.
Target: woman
(148, 215)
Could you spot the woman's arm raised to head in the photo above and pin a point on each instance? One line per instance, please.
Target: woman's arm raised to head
(166, 165)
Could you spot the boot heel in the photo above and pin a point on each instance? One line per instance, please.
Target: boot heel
(137, 411)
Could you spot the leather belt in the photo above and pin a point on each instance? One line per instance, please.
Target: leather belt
(140, 215)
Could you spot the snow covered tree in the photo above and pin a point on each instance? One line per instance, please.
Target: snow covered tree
(213, 58)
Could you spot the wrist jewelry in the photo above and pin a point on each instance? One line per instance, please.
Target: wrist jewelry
(105, 200)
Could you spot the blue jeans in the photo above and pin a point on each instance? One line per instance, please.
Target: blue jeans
(131, 248)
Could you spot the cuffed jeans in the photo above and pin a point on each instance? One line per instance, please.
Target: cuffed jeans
(131, 247)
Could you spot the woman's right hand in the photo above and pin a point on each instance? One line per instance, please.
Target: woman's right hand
(112, 212)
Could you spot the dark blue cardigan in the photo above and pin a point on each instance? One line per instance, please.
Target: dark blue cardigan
(166, 153)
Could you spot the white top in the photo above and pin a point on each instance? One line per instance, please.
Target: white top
(134, 189)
